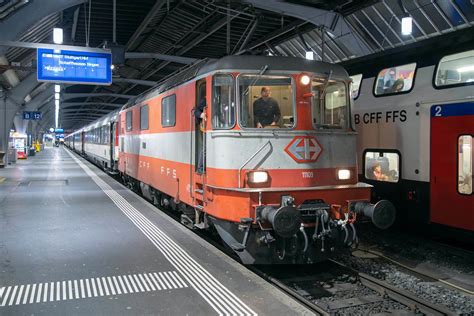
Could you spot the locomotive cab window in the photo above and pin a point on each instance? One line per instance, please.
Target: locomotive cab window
(355, 85)
(128, 119)
(144, 117)
(168, 111)
(455, 70)
(266, 101)
(382, 166)
(329, 104)
(395, 80)
(223, 103)
(465, 162)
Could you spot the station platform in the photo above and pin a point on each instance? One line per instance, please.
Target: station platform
(75, 241)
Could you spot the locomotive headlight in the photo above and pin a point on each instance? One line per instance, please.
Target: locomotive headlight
(257, 177)
(305, 79)
(343, 174)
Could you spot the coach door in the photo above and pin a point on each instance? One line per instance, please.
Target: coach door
(112, 144)
(200, 126)
(83, 140)
(451, 196)
(199, 153)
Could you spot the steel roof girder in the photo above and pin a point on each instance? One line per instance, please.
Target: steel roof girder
(68, 96)
(30, 14)
(70, 104)
(333, 21)
(175, 59)
(377, 28)
(388, 24)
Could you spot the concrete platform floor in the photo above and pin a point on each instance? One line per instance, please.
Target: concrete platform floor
(75, 241)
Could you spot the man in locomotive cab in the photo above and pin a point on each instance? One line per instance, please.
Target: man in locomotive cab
(266, 110)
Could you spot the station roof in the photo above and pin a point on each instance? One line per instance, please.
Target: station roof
(198, 29)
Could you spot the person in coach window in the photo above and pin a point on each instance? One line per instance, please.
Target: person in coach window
(266, 110)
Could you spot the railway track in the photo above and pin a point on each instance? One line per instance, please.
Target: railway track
(416, 304)
(308, 295)
(365, 294)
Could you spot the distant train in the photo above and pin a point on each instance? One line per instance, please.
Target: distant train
(415, 121)
(285, 193)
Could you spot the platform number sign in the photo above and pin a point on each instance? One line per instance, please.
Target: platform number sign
(453, 109)
(32, 116)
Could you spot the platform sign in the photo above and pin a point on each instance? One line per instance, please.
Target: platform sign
(32, 116)
(74, 67)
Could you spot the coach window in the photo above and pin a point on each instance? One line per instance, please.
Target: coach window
(394, 80)
(168, 111)
(144, 117)
(256, 91)
(382, 166)
(223, 103)
(455, 69)
(355, 85)
(106, 133)
(465, 149)
(330, 110)
(128, 118)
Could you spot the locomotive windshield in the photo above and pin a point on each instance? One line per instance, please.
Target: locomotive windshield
(266, 101)
(329, 106)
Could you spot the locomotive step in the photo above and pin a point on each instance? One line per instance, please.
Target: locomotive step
(199, 207)
(199, 191)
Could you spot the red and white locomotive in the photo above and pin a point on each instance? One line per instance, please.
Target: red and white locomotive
(285, 193)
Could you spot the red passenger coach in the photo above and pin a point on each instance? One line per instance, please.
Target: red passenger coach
(452, 130)
(272, 169)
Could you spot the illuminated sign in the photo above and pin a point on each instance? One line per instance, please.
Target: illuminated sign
(32, 116)
(74, 67)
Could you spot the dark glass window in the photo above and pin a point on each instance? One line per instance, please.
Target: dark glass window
(382, 166)
(144, 117)
(455, 69)
(465, 164)
(168, 111)
(223, 104)
(395, 79)
(128, 118)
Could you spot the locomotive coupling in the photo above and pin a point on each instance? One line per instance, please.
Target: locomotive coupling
(286, 220)
(382, 213)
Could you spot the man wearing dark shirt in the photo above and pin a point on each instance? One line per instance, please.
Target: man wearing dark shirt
(266, 110)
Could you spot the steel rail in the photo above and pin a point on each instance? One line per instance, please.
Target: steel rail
(420, 273)
(289, 291)
(406, 298)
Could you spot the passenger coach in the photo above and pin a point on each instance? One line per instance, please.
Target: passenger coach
(415, 122)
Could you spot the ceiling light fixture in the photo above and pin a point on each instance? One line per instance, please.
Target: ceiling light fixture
(58, 35)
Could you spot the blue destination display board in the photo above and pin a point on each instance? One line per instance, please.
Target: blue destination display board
(74, 67)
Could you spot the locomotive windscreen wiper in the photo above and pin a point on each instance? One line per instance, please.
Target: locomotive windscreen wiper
(325, 85)
(262, 71)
